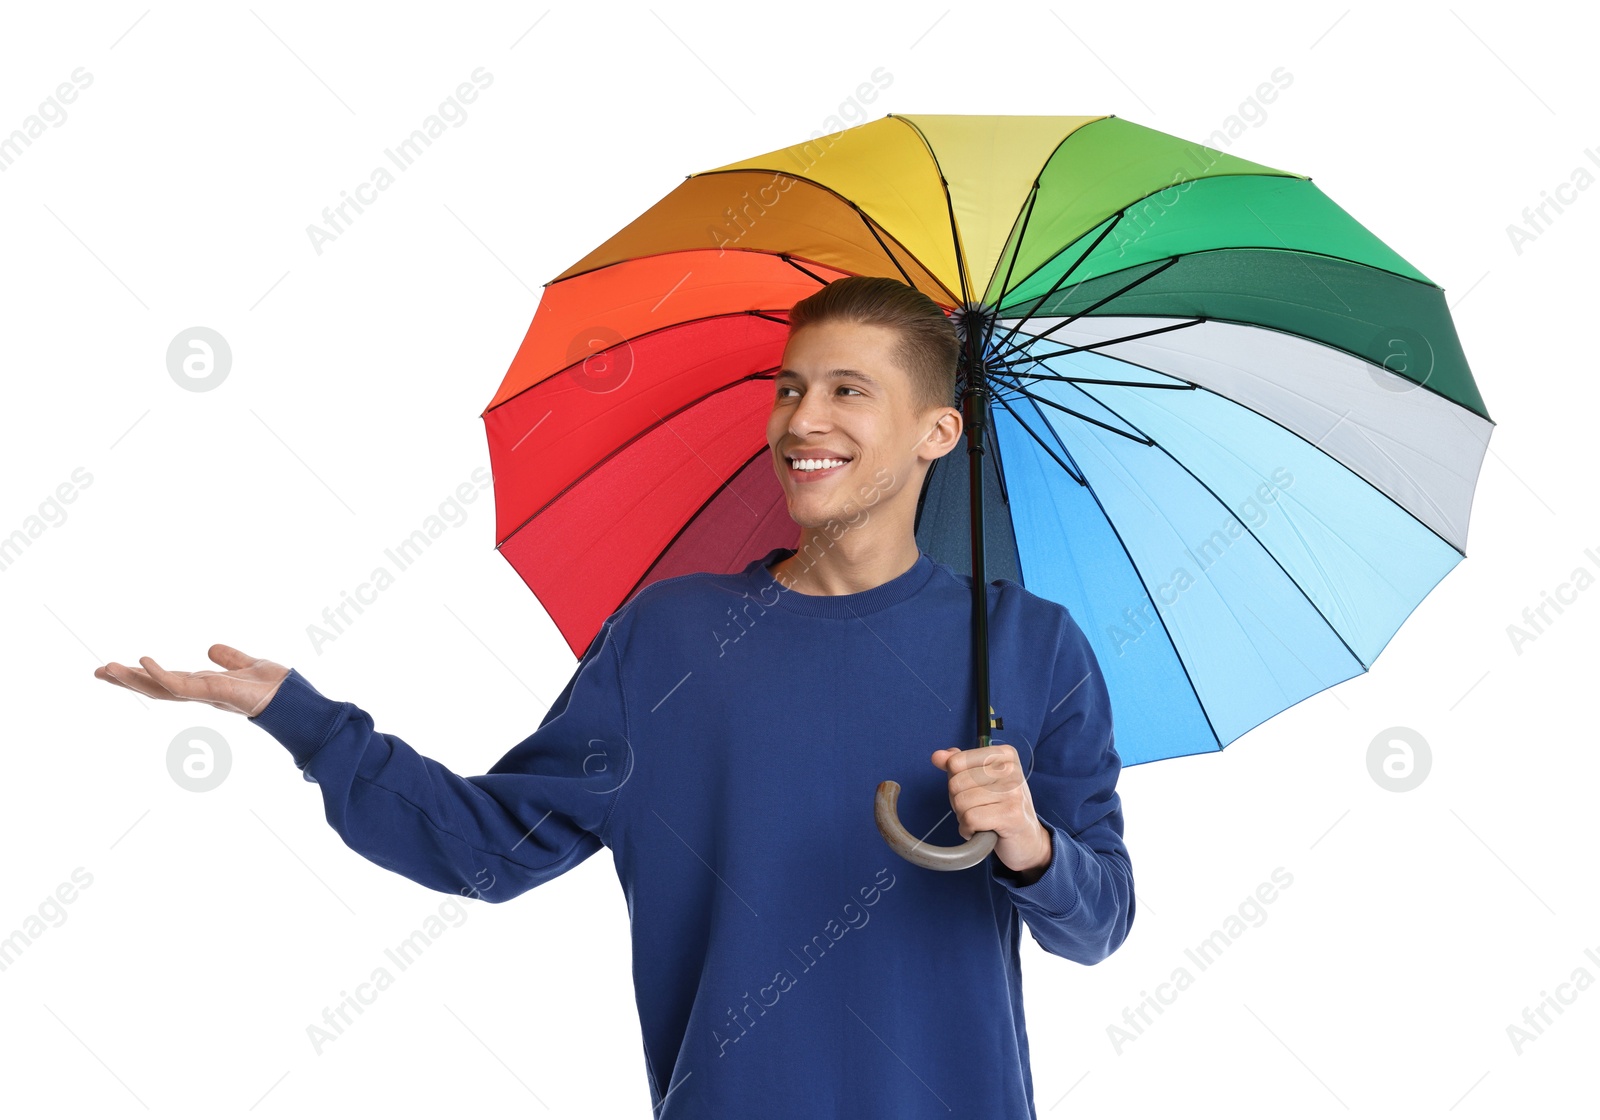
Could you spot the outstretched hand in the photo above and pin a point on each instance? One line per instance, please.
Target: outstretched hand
(989, 793)
(247, 686)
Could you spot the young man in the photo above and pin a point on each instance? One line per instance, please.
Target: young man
(724, 736)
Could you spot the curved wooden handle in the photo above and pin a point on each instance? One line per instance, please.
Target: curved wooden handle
(934, 857)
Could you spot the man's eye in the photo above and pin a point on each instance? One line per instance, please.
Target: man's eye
(782, 389)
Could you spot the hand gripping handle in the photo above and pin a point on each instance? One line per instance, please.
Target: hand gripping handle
(934, 857)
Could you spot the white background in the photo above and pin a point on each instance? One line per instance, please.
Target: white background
(218, 926)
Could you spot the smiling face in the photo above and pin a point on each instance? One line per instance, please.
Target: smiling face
(842, 394)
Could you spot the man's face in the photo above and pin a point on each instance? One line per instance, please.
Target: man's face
(841, 393)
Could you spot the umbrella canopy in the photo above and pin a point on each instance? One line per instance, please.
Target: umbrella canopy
(1231, 430)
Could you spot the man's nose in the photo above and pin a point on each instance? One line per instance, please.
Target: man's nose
(810, 413)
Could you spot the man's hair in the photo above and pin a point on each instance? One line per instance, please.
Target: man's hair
(929, 347)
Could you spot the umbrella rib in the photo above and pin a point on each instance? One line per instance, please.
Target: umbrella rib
(1000, 470)
(1069, 320)
(1059, 461)
(1146, 440)
(955, 237)
(1033, 196)
(944, 184)
(874, 231)
(788, 260)
(1174, 382)
(1095, 381)
(1062, 279)
(1061, 443)
(1109, 341)
(1294, 582)
(1116, 357)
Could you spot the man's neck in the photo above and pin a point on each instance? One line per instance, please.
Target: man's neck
(845, 566)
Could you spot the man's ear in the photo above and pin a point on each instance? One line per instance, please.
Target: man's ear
(944, 432)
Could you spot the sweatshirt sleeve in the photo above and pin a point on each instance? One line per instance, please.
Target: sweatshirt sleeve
(539, 811)
(1081, 906)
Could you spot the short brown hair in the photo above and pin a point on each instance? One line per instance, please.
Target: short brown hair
(929, 346)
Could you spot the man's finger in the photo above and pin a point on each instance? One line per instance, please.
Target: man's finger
(174, 686)
(994, 767)
(977, 756)
(229, 658)
(137, 680)
(103, 673)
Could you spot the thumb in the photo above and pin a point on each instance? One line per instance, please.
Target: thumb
(941, 757)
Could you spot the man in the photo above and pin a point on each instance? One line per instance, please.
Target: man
(724, 735)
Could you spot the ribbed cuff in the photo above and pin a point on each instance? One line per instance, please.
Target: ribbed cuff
(1056, 891)
(300, 718)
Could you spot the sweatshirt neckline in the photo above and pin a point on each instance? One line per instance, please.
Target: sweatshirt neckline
(769, 589)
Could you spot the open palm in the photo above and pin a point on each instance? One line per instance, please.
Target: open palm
(247, 686)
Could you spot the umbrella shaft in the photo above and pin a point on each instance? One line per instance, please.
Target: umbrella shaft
(973, 409)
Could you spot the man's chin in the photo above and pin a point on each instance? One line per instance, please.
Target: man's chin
(816, 515)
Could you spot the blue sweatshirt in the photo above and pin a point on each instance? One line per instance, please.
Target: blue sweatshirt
(724, 737)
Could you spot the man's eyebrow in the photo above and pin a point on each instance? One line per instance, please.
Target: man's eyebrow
(833, 375)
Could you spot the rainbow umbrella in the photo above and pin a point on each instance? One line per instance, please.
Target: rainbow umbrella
(1225, 425)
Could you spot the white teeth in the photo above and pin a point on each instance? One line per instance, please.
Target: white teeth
(817, 464)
